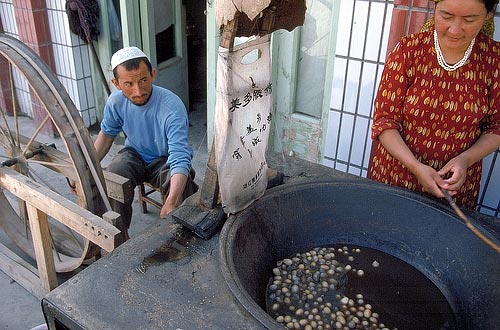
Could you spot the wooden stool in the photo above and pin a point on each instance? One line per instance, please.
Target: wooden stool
(145, 189)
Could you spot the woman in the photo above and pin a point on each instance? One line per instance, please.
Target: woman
(437, 110)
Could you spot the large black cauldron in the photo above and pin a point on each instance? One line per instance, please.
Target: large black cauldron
(417, 230)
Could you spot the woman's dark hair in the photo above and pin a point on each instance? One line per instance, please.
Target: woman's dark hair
(133, 64)
(490, 5)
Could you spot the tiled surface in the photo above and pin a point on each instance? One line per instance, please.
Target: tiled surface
(398, 25)
(55, 4)
(46, 30)
(9, 27)
(6, 101)
(7, 15)
(22, 92)
(73, 64)
(33, 28)
(413, 3)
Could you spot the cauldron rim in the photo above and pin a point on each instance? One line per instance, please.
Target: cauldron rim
(232, 225)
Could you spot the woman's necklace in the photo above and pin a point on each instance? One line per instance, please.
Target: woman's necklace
(442, 61)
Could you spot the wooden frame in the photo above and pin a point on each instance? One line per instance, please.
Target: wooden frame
(42, 202)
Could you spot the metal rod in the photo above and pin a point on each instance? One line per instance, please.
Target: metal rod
(28, 155)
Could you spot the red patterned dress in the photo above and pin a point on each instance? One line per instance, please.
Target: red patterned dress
(438, 113)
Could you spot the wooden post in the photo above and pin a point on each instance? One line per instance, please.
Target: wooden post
(43, 247)
(209, 194)
(210, 189)
(42, 202)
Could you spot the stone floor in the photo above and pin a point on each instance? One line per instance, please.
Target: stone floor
(21, 310)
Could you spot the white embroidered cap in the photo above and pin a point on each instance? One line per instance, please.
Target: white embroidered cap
(124, 55)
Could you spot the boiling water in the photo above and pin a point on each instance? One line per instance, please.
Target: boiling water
(354, 287)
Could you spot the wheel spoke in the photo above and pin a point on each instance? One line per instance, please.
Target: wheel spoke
(14, 104)
(51, 164)
(39, 128)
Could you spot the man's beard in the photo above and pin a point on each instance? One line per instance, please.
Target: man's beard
(141, 103)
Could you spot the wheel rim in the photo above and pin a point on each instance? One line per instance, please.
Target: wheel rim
(71, 157)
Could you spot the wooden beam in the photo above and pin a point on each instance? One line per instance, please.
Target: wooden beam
(118, 187)
(21, 271)
(115, 219)
(66, 212)
(40, 235)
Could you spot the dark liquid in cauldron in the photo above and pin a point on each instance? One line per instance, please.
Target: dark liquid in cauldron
(402, 297)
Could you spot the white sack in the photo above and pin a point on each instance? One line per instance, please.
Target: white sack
(242, 122)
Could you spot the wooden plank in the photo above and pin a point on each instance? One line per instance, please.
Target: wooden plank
(40, 235)
(66, 212)
(21, 271)
(118, 187)
(115, 219)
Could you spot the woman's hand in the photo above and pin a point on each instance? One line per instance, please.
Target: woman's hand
(430, 180)
(428, 177)
(455, 172)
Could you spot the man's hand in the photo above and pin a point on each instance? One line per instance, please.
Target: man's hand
(174, 198)
(166, 209)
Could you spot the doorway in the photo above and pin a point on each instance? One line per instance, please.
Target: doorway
(173, 34)
(196, 32)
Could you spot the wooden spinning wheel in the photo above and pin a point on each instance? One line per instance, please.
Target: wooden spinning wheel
(24, 148)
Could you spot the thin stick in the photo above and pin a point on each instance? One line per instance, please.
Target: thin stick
(39, 128)
(468, 223)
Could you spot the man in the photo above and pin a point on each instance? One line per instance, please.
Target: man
(155, 123)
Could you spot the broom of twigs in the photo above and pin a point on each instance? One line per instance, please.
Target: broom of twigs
(83, 21)
(468, 223)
